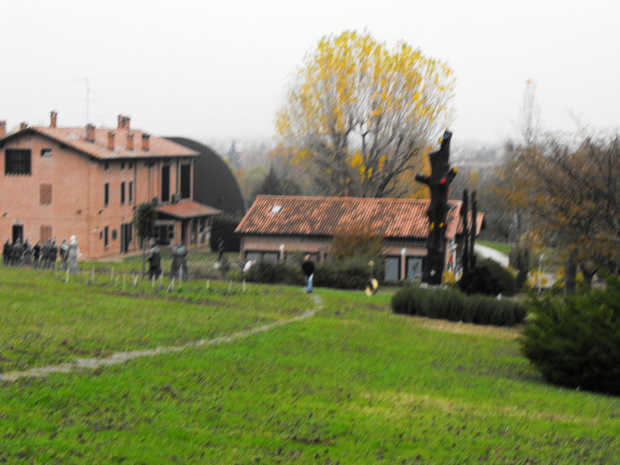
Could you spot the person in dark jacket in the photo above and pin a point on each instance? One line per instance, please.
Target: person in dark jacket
(7, 250)
(53, 257)
(154, 260)
(307, 268)
(36, 253)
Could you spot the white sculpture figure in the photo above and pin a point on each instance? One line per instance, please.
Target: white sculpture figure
(74, 251)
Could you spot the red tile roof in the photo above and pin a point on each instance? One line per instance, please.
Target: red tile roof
(76, 138)
(323, 216)
(185, 210)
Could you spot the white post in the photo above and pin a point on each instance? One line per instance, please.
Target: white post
(170, 287)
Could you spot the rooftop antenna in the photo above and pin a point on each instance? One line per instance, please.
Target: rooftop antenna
(88, 89)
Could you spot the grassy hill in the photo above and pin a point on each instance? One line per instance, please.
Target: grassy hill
(352, 384)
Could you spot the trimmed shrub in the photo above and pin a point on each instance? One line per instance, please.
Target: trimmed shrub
(488, 278)
(576, 342)
(271, 273)
(448, 304)
(352, 273)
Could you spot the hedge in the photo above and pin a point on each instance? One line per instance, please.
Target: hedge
(449, 304)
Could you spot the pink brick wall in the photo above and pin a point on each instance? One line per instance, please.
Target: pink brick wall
(77, 206)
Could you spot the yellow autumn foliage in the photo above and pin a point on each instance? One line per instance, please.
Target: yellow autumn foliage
(365, 113)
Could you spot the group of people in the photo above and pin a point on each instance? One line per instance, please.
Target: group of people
(43, 256)
(178, 268)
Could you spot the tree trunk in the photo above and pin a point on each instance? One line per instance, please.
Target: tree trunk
(570, 274)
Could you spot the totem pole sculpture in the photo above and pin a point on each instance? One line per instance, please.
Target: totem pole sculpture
(438, 182)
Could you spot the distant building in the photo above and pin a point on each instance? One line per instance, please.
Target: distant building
(87, 182)
(276, 226)
(214, 182)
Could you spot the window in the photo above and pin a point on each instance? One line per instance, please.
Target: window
(414, 267)
(130, 165)
(276, 209)
(106, 194)
(106, 238)
(392, 268)
(114, 234)
(17, 161)
(45, 194)
(186, 183)
(165, 183)
(270, 257)
(130, 192)
(106, 166)
(45, 233)
(46, 153)
(122, 165)
(122, 192)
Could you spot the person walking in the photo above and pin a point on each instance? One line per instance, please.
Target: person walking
(307, 268)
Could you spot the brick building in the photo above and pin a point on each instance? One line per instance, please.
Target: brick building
(87, 182)
(276, 226)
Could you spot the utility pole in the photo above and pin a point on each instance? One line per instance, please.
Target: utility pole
(438, 182)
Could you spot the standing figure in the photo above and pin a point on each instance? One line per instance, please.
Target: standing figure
(36, 254)
(45, 254)
(17, 252)
(154, 260)
(178, 268)
(64, 254)
(53, 255)
(72, 254)
(6, 253)
(307, 268)
(27, 257)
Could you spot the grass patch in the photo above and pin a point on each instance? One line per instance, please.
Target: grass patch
(499, 246)
(355, 384)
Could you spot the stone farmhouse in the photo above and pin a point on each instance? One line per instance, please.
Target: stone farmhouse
(87, 182)
(275, 227)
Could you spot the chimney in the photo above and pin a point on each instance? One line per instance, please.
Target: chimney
(121, 120)
(146, 142)
(111, 140)
(23, 126)
(129, 141)
(90, 133)
(126, 120)
(2, 129)
(53, 118)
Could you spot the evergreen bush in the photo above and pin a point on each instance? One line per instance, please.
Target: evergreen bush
(350, 273)
(488, 278)
(448, 304)
(271, 273)
(224, 226)
(576, 342)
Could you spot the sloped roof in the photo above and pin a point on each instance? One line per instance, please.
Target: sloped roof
(214, 182)
(76, 138)
(323, 216)
(185, 210)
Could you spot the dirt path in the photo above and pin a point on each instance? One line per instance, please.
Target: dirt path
(123, 357)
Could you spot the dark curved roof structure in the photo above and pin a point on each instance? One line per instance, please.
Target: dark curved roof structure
(214, 182)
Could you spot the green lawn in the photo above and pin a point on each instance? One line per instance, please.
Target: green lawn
(499, 246)
(354, 384)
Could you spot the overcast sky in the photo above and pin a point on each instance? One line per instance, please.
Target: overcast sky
(219, 69)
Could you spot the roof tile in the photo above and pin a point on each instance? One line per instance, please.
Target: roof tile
(323, 216)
